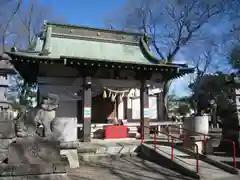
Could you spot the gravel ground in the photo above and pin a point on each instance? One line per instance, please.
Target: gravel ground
(132, 168)
(135, 168)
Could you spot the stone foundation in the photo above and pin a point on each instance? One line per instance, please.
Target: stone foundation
(37, 177)
(199, 141)
(31, 151)
(32, 169)
(34, 159)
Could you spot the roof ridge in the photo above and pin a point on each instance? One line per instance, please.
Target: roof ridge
(93, 28)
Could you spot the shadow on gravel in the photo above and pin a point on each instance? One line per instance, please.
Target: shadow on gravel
(77, 177)
(226, 152)
(230, 163)
(131, 168)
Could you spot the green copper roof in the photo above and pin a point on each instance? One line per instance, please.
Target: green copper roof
(60, 41)
(81, 42)
(92, 43)
(97, 50)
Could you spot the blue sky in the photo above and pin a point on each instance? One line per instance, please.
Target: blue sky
(94, 13)
(85, 12)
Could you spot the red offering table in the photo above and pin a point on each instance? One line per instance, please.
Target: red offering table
(115, 132)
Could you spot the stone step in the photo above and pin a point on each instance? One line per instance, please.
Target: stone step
(94, 152)
(88, 157)
(116, 148)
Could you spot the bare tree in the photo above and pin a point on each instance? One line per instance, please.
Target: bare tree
(20, 30)
(30, 21)
(175, 26)
(20, 24)
(6, 19)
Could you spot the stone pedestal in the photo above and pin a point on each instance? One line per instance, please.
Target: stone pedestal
(30, 151)
(32, 159)
(192, 141)
(7, 135)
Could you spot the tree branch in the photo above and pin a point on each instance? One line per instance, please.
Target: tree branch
(203, 18)
(5, 27)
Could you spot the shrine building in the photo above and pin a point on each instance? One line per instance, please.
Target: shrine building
(99, 76)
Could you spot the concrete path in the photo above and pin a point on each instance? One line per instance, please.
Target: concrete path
(132, 168)
(206, 171)
(227, 160)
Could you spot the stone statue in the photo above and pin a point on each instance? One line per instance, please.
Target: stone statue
(25, 124)
(28, 145)
(37, 122)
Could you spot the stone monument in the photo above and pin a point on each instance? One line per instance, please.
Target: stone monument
(29, 148)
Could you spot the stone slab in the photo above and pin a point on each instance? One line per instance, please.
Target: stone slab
(35, 169)
(72, 156)
(114, 149)
(30, 151)
(32, 169)
(62, 176)
(5, 170)
(7, 129)
(69, 145)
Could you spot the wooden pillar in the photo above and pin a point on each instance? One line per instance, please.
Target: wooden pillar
(129, 109)
(117, 100)
(38, 96)
(144, 110)
(125, 107)
(86, 108)
(79, 119)
(160, 106)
